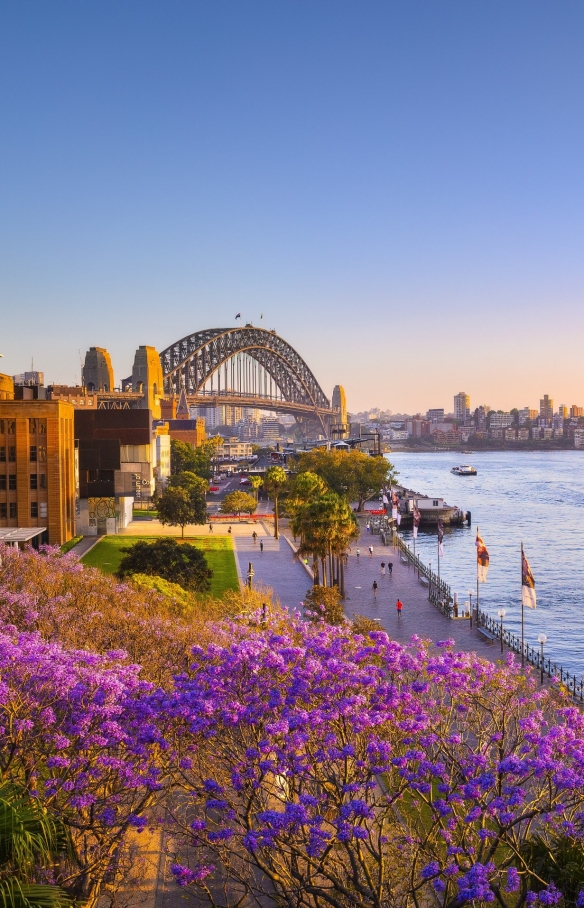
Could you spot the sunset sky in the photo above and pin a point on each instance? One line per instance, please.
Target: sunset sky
(397, 187)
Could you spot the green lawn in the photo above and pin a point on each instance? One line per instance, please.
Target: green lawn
(218, 550)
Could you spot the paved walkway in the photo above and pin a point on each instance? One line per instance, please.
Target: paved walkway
(274, 567)
(83, 546)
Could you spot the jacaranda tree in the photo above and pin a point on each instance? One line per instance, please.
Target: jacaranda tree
(327, 769)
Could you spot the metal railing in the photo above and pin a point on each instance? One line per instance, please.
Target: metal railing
(533, 655)
(439, 592)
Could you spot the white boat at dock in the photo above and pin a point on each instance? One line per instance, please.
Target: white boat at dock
(464, 470)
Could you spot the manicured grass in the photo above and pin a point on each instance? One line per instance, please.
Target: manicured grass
(218, 551)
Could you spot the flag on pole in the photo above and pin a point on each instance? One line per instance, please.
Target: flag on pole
(238, 316)
(417, 518)
(394, 504)
(528, 596)
(482, 559)
(440, 538)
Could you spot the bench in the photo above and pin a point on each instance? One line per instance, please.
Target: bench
(424, 580)
(489, 637)
(404, 560)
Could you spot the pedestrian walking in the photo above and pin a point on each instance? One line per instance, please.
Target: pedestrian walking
(358, 552)
(255, 537)
(390, 567)
(383, 568)
(399, 605)
(368, 528)
(371, 551)
(375, 589)
(261, 545)
(229, 530)
(210, 527)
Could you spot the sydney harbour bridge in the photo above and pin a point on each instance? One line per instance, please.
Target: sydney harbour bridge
(251, 367)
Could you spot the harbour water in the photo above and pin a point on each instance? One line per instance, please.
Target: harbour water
(532, 497)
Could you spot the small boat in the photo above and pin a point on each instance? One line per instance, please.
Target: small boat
(464, 470)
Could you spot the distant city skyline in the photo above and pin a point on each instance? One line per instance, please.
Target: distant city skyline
(396, 188)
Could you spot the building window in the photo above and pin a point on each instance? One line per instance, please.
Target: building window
(11, 426)
(33, 453)
(43, 508)
(33, 481)
(2, 453)
(2, 429)
(42, 426)
(42, 454)
(13, 510)
(34, 509)
(32, 426)
(3, 482)
(12, 482)
(3, 510)
(12, 454)
(42, 480)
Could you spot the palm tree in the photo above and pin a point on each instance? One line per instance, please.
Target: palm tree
(275, 480)
(326, 527)
(255, 482)
(30, 838)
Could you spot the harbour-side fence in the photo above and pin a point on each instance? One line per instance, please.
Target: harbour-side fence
(439, 592)
(533, 655)
(440, 595)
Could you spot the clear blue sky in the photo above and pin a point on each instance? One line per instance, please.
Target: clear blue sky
(398, 187)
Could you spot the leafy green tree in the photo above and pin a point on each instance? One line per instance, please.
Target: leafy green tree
(180, 563)
(182, 457)
(31, 841)
(175, 507)
(350, 473)
(304, 487)
(197, 490)
(238, 503)
(275, 481)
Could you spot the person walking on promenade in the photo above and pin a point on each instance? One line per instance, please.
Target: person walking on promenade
(255, 537)
(358, 552)
(383, 568)
(229, 530)
(210, 527)
(371, 551)
(261, 545)
(399, 605)
(390, 567)
(375, 589)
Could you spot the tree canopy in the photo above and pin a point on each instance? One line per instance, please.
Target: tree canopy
(177, 507)
(353, 474)
(196, 488)
(179, 562)
(238, 503)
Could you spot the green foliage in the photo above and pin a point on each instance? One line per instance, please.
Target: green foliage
(67, 546)
(31, 841)
(196, 487)
(238, 503)
(275, 479)
(182, 457)
(304, 488)
(181, 563)
(323, 603)
(350, 473)
(559, 860)
(176, 507)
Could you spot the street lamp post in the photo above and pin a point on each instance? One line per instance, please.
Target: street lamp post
(501, 613)
(470, 607)
(542, 639)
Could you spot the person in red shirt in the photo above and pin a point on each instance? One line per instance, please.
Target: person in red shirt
(399, 605)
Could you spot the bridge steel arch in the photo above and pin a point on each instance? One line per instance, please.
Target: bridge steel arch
(191, 361)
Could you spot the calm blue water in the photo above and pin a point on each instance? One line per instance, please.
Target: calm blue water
(535, 497)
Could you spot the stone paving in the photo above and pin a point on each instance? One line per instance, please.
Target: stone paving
(274, 567)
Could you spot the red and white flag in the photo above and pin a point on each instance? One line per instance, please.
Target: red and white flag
(528, 596)
(482, 559)
(440, 538)
(417, 518)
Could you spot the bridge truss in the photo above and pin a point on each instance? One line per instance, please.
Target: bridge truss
(245, 367)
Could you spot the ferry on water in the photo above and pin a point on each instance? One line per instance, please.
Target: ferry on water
(464, 470)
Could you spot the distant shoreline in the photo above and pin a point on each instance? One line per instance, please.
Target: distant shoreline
(445, 449)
